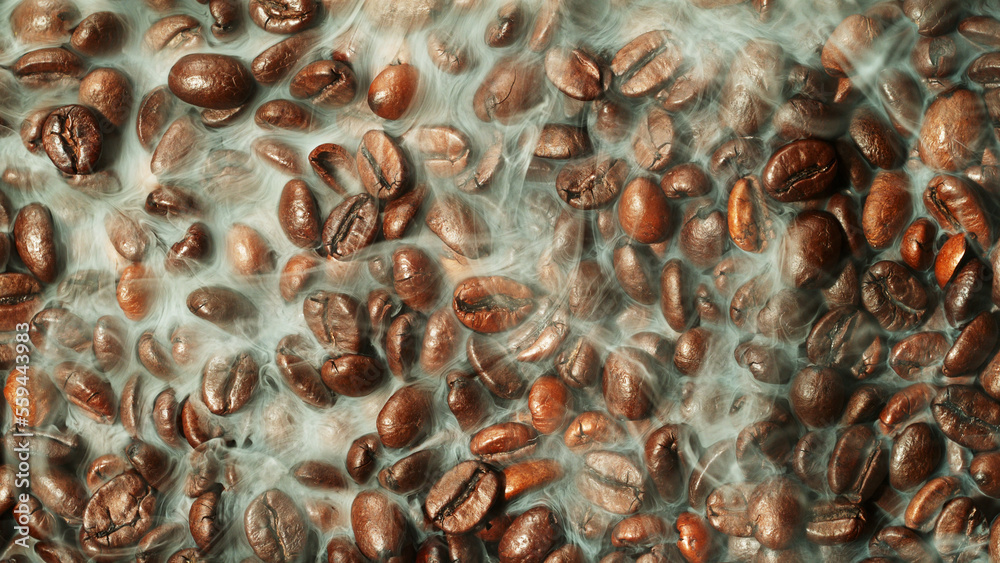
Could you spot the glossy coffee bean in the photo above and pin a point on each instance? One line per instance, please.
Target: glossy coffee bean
(211, 81)
(800, 171)
(392, 91)
(465, 497)
(290, 16)
(274, 527)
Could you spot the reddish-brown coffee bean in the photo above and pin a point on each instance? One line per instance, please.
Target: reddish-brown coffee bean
(887, 209)
(643, 212)
(919, 355)
(576, 73)
(508, 90)
(592, 183)
(351, 226)
(549, 402)
(524, 477)
(228, 382)
(654, 141)
(285, 16)
(446, 54)
(275, 528)
(174, 33)
(817, 396)
(812, 249)
(90, 392)
(973, 346)
(633, 264)
(953, 254)
(800, 170)
(211, 81)
(956, 205)
(362, 457)
(775, 511)
(328, 84)
(275, 62)
(628, 378)
(504, 442)
(225, 308)
(750, 224)
(877, 142)
(298, 214)
(465, 497)
(137, 290)
(492, 304)
(154, 112)
(248, 252)
(392, 91)
(100, 33)
(20, 298)
(467, 399)
(961, 529)
(353, 375)
(754, 82)
(405, 417)
(894, 296)
(858, 464)
(108, 91)
(968, 416)
(917, 245)
(646, 63)
(916, 453)
(852, 42)
(953, 130)
(612, 481)
(932, 17)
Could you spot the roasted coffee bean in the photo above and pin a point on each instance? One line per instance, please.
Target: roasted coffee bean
(925, 505)
(319, 475)
(504, 442)
(459, 226)
(353, 375)
(906, 403)
(612, 481)
(775, 512)
(531, 536)
(38, 21)
(811, 249)
(919, 355)
(383, 166)
(654, 142)
(643, 212)
(917, 245)
(954, 253)
(750, 224)
(766, 363)
(153, 114)
(416, 278)
(967, 416)
(108, 91)
(211, 81)
(297, 275)
(836, 523)
(646, 63)
(800, 171)
(726, 509)
(350, 227)
(894, 296)
(283, 114)
(336, 319)
(492, 304)
(275, 62)
(972, 347)
(967, 293)
(592, 183)
(90, 392)
(405, 417)
(51, 66)
(495, 367)
(227, 309)
(916, 453)
(100, 33)
(300, 374)
(956, 205)
(852, 42)
(298, 214)
(327, 84)
(465, 497)
(392, 91)
(875, 139)
(228, 382)
(335, 166)
(119, 514)
(576, 73)
(818, 396)
(508, 90)
(205, 522)
(362, 457)
(628, 382)
(787, 315)
(668, 454)
(174, 33)
(248, 252)
(964, 135)
(171, 201)
(275, 528)
(154, 464)
(858, 464)
(901, 98)
(287, 16)
(840, 337)
(73, 140)
(754, 81)
(20, 297)
(887, 209)
(961, 529)
(562, 142)
(154, 357)
(191, 252)
(803, 118)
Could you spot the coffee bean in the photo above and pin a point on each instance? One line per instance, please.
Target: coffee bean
(817, 396)
(174, 33)
(646, 63)
(211, 81)
(787, 315)
(531, 536)
(919, 355)
(405, 418)
(836, 523)
(800, 171)
(633, 264)
(328, 84)
(850, 43)
(916, 454)
(509, 89)
(119, 514)
(576, 73)
(353, 375)
(612, 481)
(956, 205)
(383, 166)
(754, 81)
(229, 310)
(275, 528)
(592, 183)
(47, 67)
(465, 497)
(965, 135)
(894, 296)
(887, 209)
(628, 378)
(275, 62)
(392, 91)
(362, 457)
(858, 464)
(767, 364)
(492, 304)
(90, 392)
(459, 226)
(972, 347)
(925, 505)
(654, 141)
(775, 511)
(932, 17)
(961, 529)
(20, 297)
(228, 382)
(749, 218)
(917, 245)
(73, 139)
(811, 249)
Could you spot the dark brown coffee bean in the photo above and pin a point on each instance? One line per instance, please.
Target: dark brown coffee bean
(459, 226)
(919, 355)
(901, 99)
(750, 224)
(197, 424)
(381, 528)
(275, 528)
(335, 166)
(967, 293)
(576, 73)
(811, 249)
(336, 319)
(612, 481)
(328, 84)
(298, 214)
(90, 392)
(646, 63)
(916, 453)
(405, 417)
(229, 310)
(100, 33)
(351, 226)
(228, 382)
(858, 464)
(876, 140)
(840, 337)
(628, 378)
(852, 42)
(119, 514)
(531, 536)
(495, 367)
(668, 454)
(800, 170)
(275, 62)
(174, 33)
(211, 81)
(957, 206)
(38, 21)
(754, 81)
(964, 134)
(508, 90)
(726, 509)
(894, 296)
(654, 143)
(109, 92)
(20, 297)
(205, 521)
(47, 67)
(767, 364)
(633, 265)
(817, 396)
(504, 442)
(416, 278)
(836, 523)
(154, 357)
(804, 118)
(917, 245)
(887, 209)
(972, 347)
(961, 529)
(383, 166)
(643, 212)
(353, 375)
(393, 90)
(465, 497)
(73, 139)
(933, 17)
(492, 304)
(592, 183)
(191, 252)
(286, 16)
(775, 511)
(283, 114)
(171, 201)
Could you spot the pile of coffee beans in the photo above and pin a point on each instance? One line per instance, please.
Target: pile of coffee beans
(528, 281)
